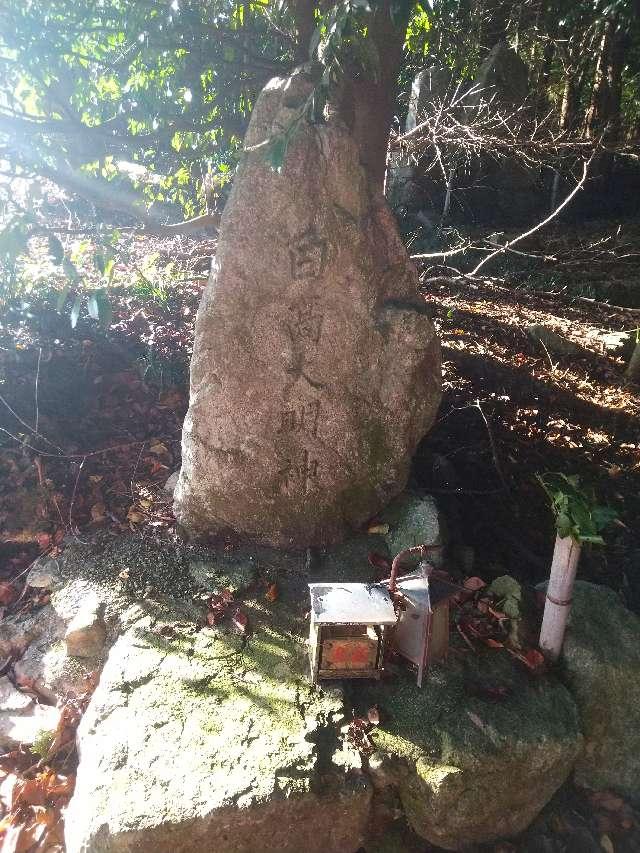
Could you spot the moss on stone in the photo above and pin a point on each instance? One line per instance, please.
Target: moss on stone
(413, 520)
(601, 666)
(452, 747)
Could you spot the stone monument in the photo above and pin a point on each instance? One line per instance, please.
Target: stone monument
(315, 370)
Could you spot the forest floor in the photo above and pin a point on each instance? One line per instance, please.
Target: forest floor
(91, 421)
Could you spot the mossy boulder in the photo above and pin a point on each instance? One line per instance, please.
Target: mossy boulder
(212, 739)
(470, 769)
(413, 519)
(601, 664)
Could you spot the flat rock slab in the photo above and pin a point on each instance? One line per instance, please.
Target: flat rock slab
(601, 664)
(208, 740)
(469, 769)
(316, 370)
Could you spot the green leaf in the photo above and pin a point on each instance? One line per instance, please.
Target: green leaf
(70, 271)
(511, 607)
(100, 309)
(62, 298)
(315, 42)
(105, 311)
(506, 587)
(564, 525)
(93, 307)
(75, 311)
(99, 261)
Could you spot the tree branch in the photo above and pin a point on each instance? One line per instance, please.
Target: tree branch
(510, 243)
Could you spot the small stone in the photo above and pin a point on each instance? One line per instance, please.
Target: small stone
(26, 725)
(44, 574)
(12, 699)
(14, 638)
(413, 520)
(87, 632)
(552, 341)
(52, 673)
(172, 480)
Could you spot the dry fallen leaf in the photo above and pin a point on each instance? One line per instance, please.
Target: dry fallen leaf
(8, 593)
(240, 622)
(98, 512)
(607, 844)
(380, 529)
(158, 448)
(134, 516)
(44, 541)
(272, 592)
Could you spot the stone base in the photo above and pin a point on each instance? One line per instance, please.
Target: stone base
(601, 666)
(468, 769)
(213, 738)
(206, 738)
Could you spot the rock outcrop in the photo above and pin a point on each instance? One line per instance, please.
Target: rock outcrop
(315, 369)
(470, 769)
(213, 740)
(601, 663)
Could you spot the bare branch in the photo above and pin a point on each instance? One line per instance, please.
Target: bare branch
(552, 215)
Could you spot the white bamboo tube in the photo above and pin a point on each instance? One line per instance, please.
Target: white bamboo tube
(559, 593)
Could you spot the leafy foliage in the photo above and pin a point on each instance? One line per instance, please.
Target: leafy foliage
(575, 509)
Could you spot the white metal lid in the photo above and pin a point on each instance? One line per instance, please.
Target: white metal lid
(351, 604)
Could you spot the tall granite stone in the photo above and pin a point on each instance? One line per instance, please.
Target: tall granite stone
(315, 369)
(431, 86)
(503, 78)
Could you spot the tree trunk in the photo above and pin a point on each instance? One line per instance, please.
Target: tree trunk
(614, 83)
(604, 112)
(493, 26)
(598, 112)
(303, 13)
(369, 100)
(559, 592)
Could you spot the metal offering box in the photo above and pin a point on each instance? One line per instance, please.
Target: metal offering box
(349, 626)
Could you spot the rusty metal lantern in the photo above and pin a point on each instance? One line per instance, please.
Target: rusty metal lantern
(421, 634)
(352, 624)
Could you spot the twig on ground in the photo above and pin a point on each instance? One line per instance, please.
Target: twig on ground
(29, 427)
(73, 495)
(494, 449)
(135, 469)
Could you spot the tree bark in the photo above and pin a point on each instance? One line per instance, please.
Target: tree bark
(598, 112)
(303, 14)
(369, 100)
